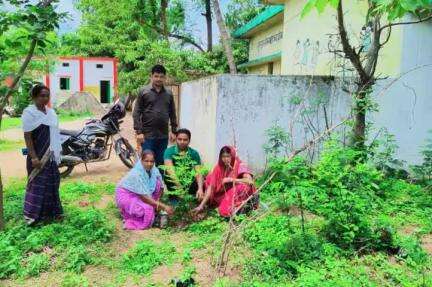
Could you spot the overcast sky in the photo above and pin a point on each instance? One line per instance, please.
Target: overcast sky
(194, 23)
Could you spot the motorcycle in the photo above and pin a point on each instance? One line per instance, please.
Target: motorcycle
(94, 143)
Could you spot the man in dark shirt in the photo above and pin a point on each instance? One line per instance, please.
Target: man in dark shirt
(153, 110)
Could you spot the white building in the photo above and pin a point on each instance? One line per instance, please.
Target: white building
(95, 75)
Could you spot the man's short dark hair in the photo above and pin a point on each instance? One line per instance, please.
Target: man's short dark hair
(185, 132)
(159, 69)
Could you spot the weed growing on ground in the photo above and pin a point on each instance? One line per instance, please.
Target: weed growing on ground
(350, 234)
(147, 255)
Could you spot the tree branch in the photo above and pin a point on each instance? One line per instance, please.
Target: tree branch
(347, 48)
(388, 37)
(4, 100)
(184, 38)
(372, 55)
(406, 23)
(20, 74)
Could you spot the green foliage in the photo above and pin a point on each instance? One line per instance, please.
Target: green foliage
(239, 12)
(133, 35)
(412, 252)
(281, 258)
(10, 123)
(147, 255)
(64, 116)
(7, 145)
(71, 244)
(25, 23)
(74, 280)
(340, 188)
(277, 141)
(21, 98)
(423, 172)
(350, 210)
(208, 231)
(381, 153)
(391, 8)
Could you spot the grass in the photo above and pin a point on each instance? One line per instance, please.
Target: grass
(271, 251)
(14, 123)
(8, 145)
(10, 123)
(91, 237)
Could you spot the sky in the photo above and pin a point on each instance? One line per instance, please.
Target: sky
(195, 23)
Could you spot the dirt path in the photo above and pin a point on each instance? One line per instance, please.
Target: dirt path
(13, 164)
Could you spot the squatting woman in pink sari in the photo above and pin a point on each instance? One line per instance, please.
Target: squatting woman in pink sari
(229, 185)
(138, 194)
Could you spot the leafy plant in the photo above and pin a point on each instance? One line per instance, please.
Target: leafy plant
(381, 152)
(424, 171)
(277, 141)
(28, 251)
(147, 255)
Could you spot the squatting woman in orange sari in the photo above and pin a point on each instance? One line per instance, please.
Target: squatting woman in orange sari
(228, 186)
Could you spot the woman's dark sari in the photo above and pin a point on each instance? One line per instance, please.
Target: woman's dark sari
(42, 199)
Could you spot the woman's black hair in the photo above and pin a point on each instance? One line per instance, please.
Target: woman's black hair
(158, 69)
(35, 91)
(225, 149)
(147, 152)
(185, 132)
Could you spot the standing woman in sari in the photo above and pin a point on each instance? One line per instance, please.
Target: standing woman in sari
(138, 194)
(42, 138)
(229, 185)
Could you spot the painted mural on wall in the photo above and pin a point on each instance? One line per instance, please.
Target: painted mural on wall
(308, 53)
(309, 41)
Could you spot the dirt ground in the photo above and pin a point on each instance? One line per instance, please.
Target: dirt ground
(12, 163)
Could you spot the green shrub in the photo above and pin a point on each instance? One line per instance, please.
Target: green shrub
(340, 188)
(280, 247)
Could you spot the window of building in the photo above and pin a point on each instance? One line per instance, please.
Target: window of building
(65, 84)
(99, 66)
(65, 64)
(270, 68)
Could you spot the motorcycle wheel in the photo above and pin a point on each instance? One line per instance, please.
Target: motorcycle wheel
(65, 170)
(126, 152)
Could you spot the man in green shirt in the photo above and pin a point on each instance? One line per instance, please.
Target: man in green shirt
(182, 166)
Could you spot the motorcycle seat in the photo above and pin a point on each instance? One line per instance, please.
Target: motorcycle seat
(69, 132)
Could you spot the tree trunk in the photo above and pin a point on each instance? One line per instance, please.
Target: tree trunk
(225, 37)
(164, 7)
(359, 128)
(361, 98)
(1, 115)
(1, 203)
(208, 15)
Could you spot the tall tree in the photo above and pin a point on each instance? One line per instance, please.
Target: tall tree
(239, 12)
(36, 20)
(204, 6)
(225, 36)
(134, 35)
(163, 16)
(209, 23)
(382, 15)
